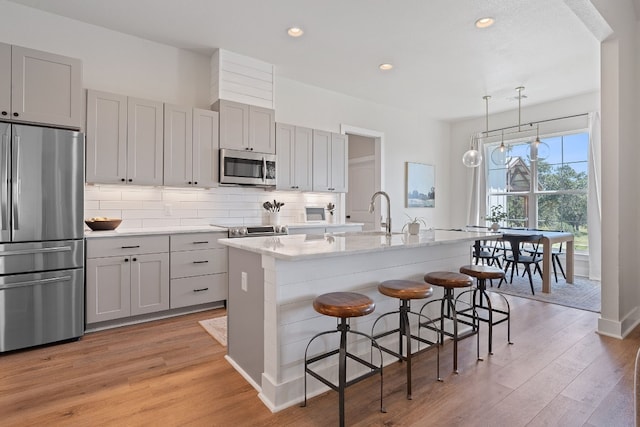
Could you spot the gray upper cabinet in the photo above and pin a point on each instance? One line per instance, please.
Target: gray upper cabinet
(190, 147)
(295, 157)
(43, 87)
(246, 127)
(144, 141)
(124, 140)
(330, 157)
(106, 138)
(205, 148)
(178, 145)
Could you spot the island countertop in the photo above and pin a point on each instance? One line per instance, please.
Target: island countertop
(309, 246)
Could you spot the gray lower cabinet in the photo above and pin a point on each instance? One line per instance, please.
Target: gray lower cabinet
(126, 276)
(198, 269)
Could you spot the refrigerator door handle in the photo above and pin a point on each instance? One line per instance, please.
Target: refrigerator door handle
(4, 188)
(16, 182)
(35, 282)
(36, 251)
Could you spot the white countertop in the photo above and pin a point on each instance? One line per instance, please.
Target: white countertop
(307, 246)
(154, 230)
(322, 224)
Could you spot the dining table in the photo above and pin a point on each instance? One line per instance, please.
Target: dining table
(549, 238)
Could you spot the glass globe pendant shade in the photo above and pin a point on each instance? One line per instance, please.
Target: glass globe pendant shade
(472, 158)
(500, 155)
(539, 150)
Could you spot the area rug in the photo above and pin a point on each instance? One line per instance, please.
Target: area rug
(583, 293)
(217, 328)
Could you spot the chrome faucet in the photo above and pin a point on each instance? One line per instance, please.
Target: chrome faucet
(372, 208)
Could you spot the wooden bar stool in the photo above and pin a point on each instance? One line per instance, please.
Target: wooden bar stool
(481, 302)
(451, 281)
(405, 291)
(342, 305)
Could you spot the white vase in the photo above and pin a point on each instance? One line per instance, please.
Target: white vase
(413, 227)
(495, 226)
(274, 218)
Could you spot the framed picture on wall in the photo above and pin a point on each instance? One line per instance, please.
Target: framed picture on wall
(420, 185)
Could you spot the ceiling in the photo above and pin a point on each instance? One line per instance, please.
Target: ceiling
(443, 65)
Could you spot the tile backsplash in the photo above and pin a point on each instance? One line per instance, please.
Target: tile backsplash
(143, 207)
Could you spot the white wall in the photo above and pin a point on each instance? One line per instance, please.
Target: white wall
(407, 137)
(112, 61)
(620, 193)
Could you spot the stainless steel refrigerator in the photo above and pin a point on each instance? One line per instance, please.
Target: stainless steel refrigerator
(41, 237)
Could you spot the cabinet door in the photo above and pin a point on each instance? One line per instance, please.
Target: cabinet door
(149, 283)
(144, 142)
(46, 88)
(108, 288)
(106, 138)
(262, 130)
(303, 159)
(285, 135)
(339, 163)
(234, 125)
(178, 145)
(5, 80)
(205, 148)
(321, 160)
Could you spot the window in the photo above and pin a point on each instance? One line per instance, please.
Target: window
(549, 193)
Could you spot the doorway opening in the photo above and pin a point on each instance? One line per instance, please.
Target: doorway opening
(365, 176)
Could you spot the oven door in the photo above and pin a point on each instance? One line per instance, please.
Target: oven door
(247, 168)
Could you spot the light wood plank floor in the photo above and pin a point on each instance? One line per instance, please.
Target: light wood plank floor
(171, 372)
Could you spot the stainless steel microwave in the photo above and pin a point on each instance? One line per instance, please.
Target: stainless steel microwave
(239, 167)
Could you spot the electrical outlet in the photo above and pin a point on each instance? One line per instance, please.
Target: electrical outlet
(167, 209)
(243, 280)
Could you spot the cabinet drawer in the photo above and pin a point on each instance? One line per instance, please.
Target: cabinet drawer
(198, 263)
(133, 245)
(196, 241)
(198, 290)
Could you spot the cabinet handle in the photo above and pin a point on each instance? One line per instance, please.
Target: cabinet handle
(130, 247)
(4, 113)
(15, 114)
(200, 243)
(130, 180)
(122, 179)
(195, 182)
(134, 259)
(189, 182)
(251, 149)
(200, 262)
(201, 290)
(126, 260)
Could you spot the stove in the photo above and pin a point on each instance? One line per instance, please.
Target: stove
(258, 230)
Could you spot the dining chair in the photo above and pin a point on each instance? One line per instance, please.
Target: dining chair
(517, 257)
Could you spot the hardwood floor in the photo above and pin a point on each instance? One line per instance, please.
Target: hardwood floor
(171, 372)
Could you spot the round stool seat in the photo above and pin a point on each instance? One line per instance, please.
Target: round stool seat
(344, 304)
(448, 279)
(482, 271)
(405, 289)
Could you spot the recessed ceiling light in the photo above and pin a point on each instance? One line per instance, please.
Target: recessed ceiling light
(295, 32)
(385, 66)
(485, 22)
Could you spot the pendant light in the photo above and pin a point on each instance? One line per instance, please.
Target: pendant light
(473, 158)
(539, 150)
(501, 154)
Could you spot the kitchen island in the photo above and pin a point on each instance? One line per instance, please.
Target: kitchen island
(273, 281)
